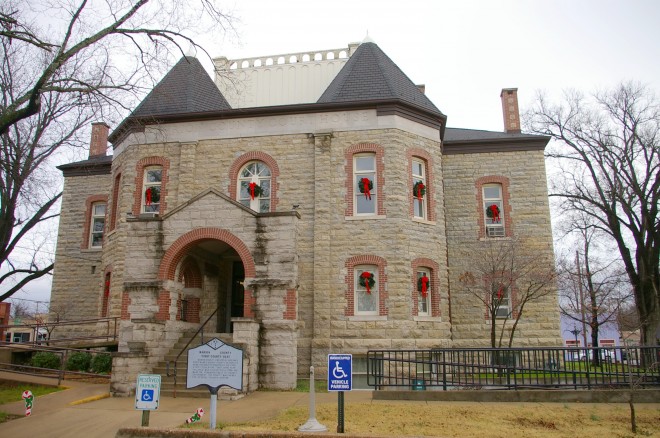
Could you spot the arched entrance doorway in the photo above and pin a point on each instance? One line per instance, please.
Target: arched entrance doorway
(209, 267)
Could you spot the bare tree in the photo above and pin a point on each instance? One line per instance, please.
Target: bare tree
(591, 290)
(607, 153)
(90, 63)
(506, 277)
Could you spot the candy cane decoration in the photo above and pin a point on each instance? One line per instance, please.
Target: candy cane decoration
(29, 399)
(196, 416)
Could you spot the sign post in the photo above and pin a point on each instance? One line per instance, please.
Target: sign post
(215, 364)
(340, 378)
(147, 395)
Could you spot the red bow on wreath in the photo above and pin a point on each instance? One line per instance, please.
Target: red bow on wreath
(366, 182)
(368, 278)
(147, 196)
(420, 190)
(494, 212)
(252, 186)
(425, 285)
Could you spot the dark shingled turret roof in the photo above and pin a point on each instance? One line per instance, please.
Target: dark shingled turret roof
(369, 75)
(186, 89)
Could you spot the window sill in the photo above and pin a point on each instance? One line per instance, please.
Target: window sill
(365, 217)
(427, 318)
(367, 318)
(423, 221)
(486, 239)
(95, 249)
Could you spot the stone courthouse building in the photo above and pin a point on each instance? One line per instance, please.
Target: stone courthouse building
(307, 203)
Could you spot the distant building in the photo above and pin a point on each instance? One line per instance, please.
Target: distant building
(298, 201)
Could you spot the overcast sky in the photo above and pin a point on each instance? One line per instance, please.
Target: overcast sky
(465, 52)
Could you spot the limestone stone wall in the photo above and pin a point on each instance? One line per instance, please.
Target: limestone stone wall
(78, 275)
(530, 218)
(393, 236)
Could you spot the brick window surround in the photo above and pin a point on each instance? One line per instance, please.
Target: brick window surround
(241, 161)
(115, 202)
(164, 163)
(89, 204)
(434, 268)
(425, 157)
(363, 148)
(360, 260)
(504, 182)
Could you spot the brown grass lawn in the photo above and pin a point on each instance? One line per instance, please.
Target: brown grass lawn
(463, 420)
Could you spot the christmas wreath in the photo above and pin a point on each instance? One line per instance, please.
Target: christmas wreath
(419, 190)
(254, 189)
(367, 281)
(366, 186)
(423, 285)
(151, 195)
(493, 212)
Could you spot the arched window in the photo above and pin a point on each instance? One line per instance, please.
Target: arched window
(151, 189)
(254, 186)
(365, 184)
(97, 226)
(366, 290)
(423, 288)
(493, 208)
(419, 184)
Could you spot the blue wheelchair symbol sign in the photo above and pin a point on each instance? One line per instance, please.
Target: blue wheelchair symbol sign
(340, 372)
(147, 395)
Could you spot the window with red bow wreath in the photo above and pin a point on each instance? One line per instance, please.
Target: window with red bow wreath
(493, 212)
(367, 281)
(419, 190)
(254, 190)
(366, 186)
(423, 285)
(152, 195)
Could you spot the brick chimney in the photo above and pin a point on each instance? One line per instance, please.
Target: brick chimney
(510, 110)
(99, 142)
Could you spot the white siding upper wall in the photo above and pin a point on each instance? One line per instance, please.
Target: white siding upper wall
(277, 84)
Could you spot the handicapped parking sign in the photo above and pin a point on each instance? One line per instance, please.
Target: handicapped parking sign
(340, 372)
(147, 392)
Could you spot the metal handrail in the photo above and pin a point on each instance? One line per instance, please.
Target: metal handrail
(178, 356)
(54, 325)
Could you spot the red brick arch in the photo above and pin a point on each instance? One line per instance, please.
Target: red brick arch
(183, 244)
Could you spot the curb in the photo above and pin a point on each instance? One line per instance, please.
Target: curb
(89, 399)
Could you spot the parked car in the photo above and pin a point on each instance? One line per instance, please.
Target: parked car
(604, 354)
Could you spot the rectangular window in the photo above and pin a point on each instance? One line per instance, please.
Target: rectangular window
(97, 226)
(419, 189)
(151, 190)
(493, 210)
(423, 297)
(364, 184)
(366, 290)
(503, 297)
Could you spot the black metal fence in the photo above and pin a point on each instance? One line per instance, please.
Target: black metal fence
(513, 368)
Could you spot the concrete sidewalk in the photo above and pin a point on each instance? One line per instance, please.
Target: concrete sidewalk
(61, 414)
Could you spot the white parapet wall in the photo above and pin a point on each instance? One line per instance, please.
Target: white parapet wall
(290, 78)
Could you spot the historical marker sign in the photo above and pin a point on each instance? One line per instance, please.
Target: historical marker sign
(215, 364)
(147, 392)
